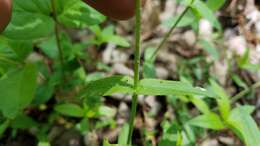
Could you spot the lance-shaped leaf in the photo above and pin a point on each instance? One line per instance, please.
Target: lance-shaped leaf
(209, 120)
(244, 125)
(165, 87)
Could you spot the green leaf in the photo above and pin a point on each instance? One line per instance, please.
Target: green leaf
(44, 144)
(165, 87)
(210, 121)
(49, 47)
(83, 126)
(222, 99)
(239, 81)
(244, 59)
(185, 21)
(244, 62)
(244, 126)
(167, 142)
(44, 91)
(75, 13)
(215, 4)
(118, 40)
(106, 143)
(28, 21)
(179, 139)
(33, 6)
(210, 48)
(108, 35)
(251, 67)
(149, 70)
(17, 90)
(107, 111)
(123, 135)
(70, 109)
(21, 48)
(203, 10)
(23, 122)
(148, 67)
(248, 109)
(200, 104)
(108, 86)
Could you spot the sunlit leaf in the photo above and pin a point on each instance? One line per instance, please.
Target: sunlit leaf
(209, 120)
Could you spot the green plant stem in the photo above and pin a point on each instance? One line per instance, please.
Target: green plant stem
(132, 118)
(171, 30)
(244, 92)
(136, 67)
(57, 36)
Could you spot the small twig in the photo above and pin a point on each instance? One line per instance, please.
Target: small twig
(171, 30)
(57, 36)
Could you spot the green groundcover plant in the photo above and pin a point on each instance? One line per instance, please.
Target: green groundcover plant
(28, 82)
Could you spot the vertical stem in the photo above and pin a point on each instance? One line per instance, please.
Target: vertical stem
(57, 36)
(136, 67)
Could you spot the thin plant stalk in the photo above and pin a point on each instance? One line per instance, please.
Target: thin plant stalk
(166, 37)
(136, 67)
(244, 92)
(57, 36)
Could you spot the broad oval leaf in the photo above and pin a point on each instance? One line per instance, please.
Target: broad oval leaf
(17, 90)
(29, 21)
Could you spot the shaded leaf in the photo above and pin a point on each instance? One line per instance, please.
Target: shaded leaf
(108, 86)
(17, 90)
(69, 109)
(23, 122)
(210, 48)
